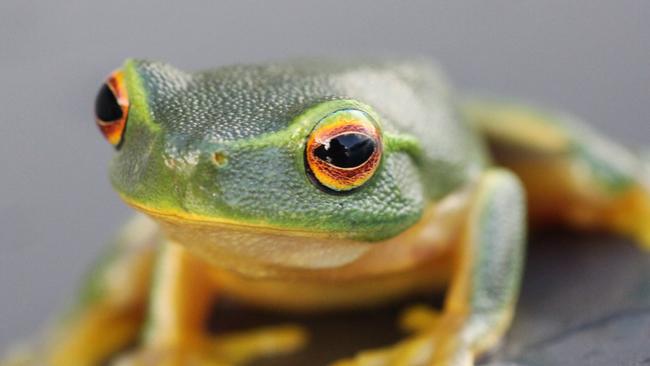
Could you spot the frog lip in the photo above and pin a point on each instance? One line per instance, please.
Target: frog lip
(184, 217)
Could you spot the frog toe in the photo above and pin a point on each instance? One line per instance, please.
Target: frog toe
(414, 351)
(244, 346)
(438, 344)
(227, 349)
(167, 356)
(419, 318)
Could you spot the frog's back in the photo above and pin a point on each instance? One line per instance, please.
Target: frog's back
(245, 101)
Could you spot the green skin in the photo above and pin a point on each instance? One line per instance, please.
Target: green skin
(260, 118)
(228, 146)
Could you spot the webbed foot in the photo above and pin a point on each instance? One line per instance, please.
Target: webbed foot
(436, 342)
(229, 349)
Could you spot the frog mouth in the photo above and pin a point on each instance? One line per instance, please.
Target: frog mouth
(197, 220)
(266, 251)
(251, 248)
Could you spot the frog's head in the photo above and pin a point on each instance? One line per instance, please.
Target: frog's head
(280, 163)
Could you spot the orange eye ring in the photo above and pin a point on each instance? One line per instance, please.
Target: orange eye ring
(343, 151)
(112, 108)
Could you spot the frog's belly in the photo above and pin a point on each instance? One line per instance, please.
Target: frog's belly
(328, 292)
(284, 270)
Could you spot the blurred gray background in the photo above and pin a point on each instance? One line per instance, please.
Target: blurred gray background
(56, 206)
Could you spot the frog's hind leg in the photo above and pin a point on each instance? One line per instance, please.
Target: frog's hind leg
(108, 314)
(484, 288)
(573, 175)
(175, 332)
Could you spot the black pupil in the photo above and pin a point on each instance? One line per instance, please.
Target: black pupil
(347, 151)
(106, 107)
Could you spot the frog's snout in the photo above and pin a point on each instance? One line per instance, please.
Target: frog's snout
(112, 108)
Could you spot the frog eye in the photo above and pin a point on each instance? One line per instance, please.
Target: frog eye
(112, 108)
(343, 151)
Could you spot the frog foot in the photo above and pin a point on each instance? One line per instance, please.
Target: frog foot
(436, 341)
(227, 349)
(421, 350)
(419, 318)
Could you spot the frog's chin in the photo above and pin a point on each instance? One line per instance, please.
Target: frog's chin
(254, 248)
(257, 250)
(266, 252)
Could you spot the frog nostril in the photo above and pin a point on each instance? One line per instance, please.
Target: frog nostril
(219, 159)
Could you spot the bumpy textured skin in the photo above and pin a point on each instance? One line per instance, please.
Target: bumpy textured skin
(257, 118)
(217, 157)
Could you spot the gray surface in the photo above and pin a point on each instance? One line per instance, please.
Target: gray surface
(585, 302)
(56, 207)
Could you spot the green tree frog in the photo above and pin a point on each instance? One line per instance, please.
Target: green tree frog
(317, 185)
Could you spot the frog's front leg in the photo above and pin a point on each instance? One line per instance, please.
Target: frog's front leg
(175, 334)
(109, 312)
(481, 299)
